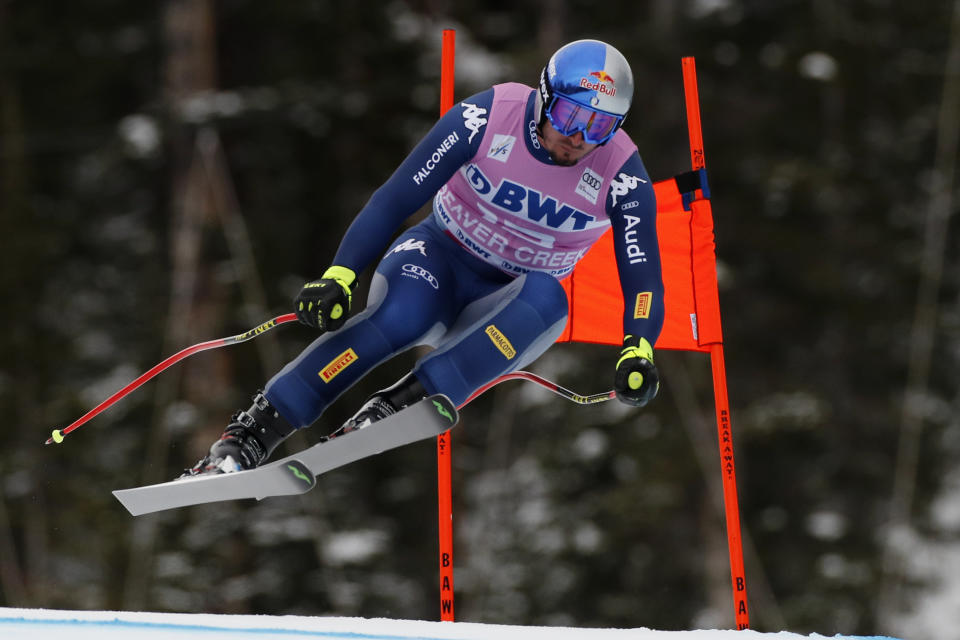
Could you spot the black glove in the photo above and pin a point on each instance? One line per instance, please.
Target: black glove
(325, 303)
(637, 380)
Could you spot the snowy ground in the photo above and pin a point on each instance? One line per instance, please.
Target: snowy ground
(44, 624)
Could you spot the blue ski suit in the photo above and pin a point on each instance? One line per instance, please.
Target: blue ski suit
(479, 283)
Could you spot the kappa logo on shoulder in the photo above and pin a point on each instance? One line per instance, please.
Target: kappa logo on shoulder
(411, 245)
(622, 185)
(473, 118)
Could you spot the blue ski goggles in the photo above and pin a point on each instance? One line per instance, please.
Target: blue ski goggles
(568, 117)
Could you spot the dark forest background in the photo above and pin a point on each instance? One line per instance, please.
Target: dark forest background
(171, 172)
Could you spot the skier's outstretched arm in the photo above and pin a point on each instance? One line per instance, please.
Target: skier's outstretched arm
(632, 208)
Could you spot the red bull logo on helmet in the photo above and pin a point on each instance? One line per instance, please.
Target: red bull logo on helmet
(599, 81)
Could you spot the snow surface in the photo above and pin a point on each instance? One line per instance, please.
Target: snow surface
(46, 624)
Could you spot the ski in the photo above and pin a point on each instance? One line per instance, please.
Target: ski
(297, 473)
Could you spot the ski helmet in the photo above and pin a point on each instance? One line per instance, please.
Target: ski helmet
(586, 86)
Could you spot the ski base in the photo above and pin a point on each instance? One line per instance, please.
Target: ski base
(297, 473)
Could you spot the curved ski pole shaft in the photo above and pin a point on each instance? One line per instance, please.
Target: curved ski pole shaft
(58, 434)
(546, 384)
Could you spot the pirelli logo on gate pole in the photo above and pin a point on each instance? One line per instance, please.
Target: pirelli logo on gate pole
(338, 364)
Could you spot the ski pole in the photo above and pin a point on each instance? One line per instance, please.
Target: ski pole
(546, 384)
(59, 434)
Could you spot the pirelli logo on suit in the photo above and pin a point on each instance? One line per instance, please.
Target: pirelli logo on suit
(500, 342)
(641, 309)
(338, 364)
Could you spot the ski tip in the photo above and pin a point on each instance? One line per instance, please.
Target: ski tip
(121, 495)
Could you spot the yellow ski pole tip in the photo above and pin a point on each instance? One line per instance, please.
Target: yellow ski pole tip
(57, 436)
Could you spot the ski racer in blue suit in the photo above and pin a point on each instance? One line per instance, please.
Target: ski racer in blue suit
(523, 182)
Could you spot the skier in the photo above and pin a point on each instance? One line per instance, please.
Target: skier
(523, 182)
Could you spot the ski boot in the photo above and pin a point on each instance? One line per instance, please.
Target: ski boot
(383, 403)
(249, 439)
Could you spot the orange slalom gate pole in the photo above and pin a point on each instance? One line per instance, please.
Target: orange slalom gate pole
(444, 481)
(724, 431)
(731, 504)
